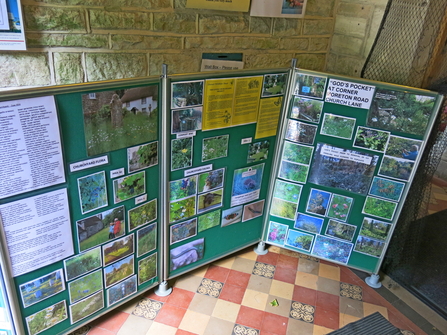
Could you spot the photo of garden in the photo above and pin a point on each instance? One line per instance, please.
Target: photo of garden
(378, 207)
(42, 288)
(182, 188)
(142, 156)
(92, 192)
(297, 153)
(215, 147)
(147, 239)
(258, 151)
(310, 86)
(375, 229)
(334, 250)
(183, 230)
(129, 187)
(274, 84)
(85, 286)
(121, 290)
(142, 214)
(396, 168)
(371, 139)
(339, 207)
(369, 246)
(287, 191)
(306, 109)
(386, 188)
(308, 223)
(46, 318)
(182, 209)
(402, 147)
(209, 220)
(147, 268)
(187, 94)
(338, 126)
(299, 240)
(118, 249)
(300, 132)
(181, 153)
(118, 271)
(86, 307)
(184, 120)
(80, 264)
(293, 172)
(277, 233)
(340, 230)
(283, 209)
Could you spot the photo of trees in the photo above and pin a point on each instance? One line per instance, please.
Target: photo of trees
(299, 240)
(396, 168)
(306, 109)
(369, 246)
(378, 207)
(301, 132)
(372, 139)
(186, 94)
(332, 249)
(80, 264)
(375, 229)
(340, 230)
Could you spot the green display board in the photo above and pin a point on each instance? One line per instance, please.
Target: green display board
(347, 152)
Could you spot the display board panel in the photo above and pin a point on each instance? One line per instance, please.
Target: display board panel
(346, 155)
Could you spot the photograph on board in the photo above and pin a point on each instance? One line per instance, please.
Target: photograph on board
(118, 271)
(318, 202)
(182, 209)
(118, 249)
(287, 191)
(143, 214)
(188, 253)
(215, 147)
(299, 240)
(231, 215)
(340, 230)
(283, 209)
(211, 180)
(46, 318)
(186, 94)
(182, 188)
(85, 286)
(277, 233)
(86, 307)
(375, 229)
(306, 109)
(210, 200)
(396, 168)
(274, 84)
(371, 139)
(129, 187)
(92, 192)
(386, 188)
(297, 153)
(308, 223)
(339, 207)
(379, 207)
(301, 132)
(332, 249)
(209, 220)
(147, 268)
(42, 288)
(253, 210)
(183, 230)
(402, 147)
(184, 120)
(247, 184)
(110, 116)
(83, 263)
(142, 156)
(369, 246)
(121, 290)
(338, 126)
(293, 172)
(310, 86)
(181, 153)
(146, 239)
(258, 151)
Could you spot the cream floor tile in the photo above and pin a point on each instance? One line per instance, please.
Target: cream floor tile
(328, 285)
(296, 327)
(189, 283)
(226, 310)
(440, 196)
(438, 322)
(255, 299)
(260, 284)
(319, 330)
(202, 304)
(135, 325)
(330, 272)
(308, 266)
(370, 309)
(194, 322)
(281, 289)
(274, 249)
(351, 307)
(346, 318)
(243, 265)
(306, 280)
(159, 328)
(225, 263)
(200, 272)
(219, 327)
(249, 255)
(283, 308)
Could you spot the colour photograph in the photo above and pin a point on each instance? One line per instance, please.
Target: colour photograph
(42, 288)
(400, 111)
(92, 192)
(338, 126)
(306, 109)
(339, 207)
(83, 263)
(182, 188)
(386, 188)
(183, 230)
(110, 116)
(118, 249)
(46, 318)
(142, 214)
(308, 223)
(258, 151)
(378, 207)
(274, 84)
(332, 249)
(147, 269)
(85, 286)
(209, 220)
(100, 228)
(371, 139)
(369, 246)
(340, 230)
(402, 147)
(187, 254)
(129, 187)
(277, 233)
(348, 170)
(292, 7)
(184, 120)
(209, 181)
(297, 153)
(310, 86)
(209, 201)
(231, 215)
(186, 94)
(215, 147)
(142, 156)
(283, 209)
(246, 184)
(375, 229)
(318, 202)
(119, 270)
(396, 168)
(287, 191)
(301, 132)
(293, 172)
(146, 239)
(182, 209)
(86, 307)
(253, 210)
(181, 153)
(299, 240)
(121, 290)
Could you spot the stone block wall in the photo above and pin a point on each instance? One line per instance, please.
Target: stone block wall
(75, 41)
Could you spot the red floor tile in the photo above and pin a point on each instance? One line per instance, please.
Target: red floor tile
(183, 332)
(112, 321)
(275, 324)
(232, 293)
(288, 262)
(238, 278)
(328, 301)
(269, 258)
(170, 315)
(326, 318)
(402, 322)
(263, 332)
(250, 317)
(180, 298)
(217, 273)
(304, 295)
(153, 296)
(100, 331)
(372, 297)
(285, 275)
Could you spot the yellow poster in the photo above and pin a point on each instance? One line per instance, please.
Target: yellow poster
(218, 104)
(231, 5)
(246, 100)
(269, 110)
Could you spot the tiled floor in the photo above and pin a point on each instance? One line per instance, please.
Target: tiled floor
(438, 198)
(281, 292)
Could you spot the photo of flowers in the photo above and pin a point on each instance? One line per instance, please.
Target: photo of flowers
(375, 229)
(332, 249)
(371, 139)
(339, 207)
(287, 191)
(184, 120)
(231, 215)
(402, 147)
(369, 246)
(283, 209)
(338, 126)
(86, 307)
(340, 230)
(85, 286)
(183, 230)
(253, 210)
(147, 268)
(293, 172)
(46, 318)
(274, 84)
(142, 214)
(129, 187)
(258, 151)
(299, 240)
(83, 263)
(310, 86)
(118, 249)
(181, 153)
(182, 188)
(92, 192)
(396, 168)
(378, 207)
(209, 181)
(210, 200)
(297, 153)
(147, 239)
(187, 254)
(121, 290)
(301, 132)
(186, 94)
(277, 233)
(306, 109)
(318, 202)
(215, 147)
(182, 209)
(386, 188)
(119, 271)
(308, 223)
(42, 288)
(142, 156)
(209, 220)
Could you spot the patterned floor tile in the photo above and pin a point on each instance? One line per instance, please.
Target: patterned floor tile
(264, 270)
(210, 287)
(243, 330)
(406, 332)
(81, 331)
(351, 291)
(303, 312)
(311, 258)
(147, 308)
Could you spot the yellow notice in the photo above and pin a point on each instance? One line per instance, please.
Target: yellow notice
(269, 110)
(218, 104)
(246, 100)
(231, 5)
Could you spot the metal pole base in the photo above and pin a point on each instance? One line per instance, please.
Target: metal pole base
(373, 281)
(163, 290)
(260, 249)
